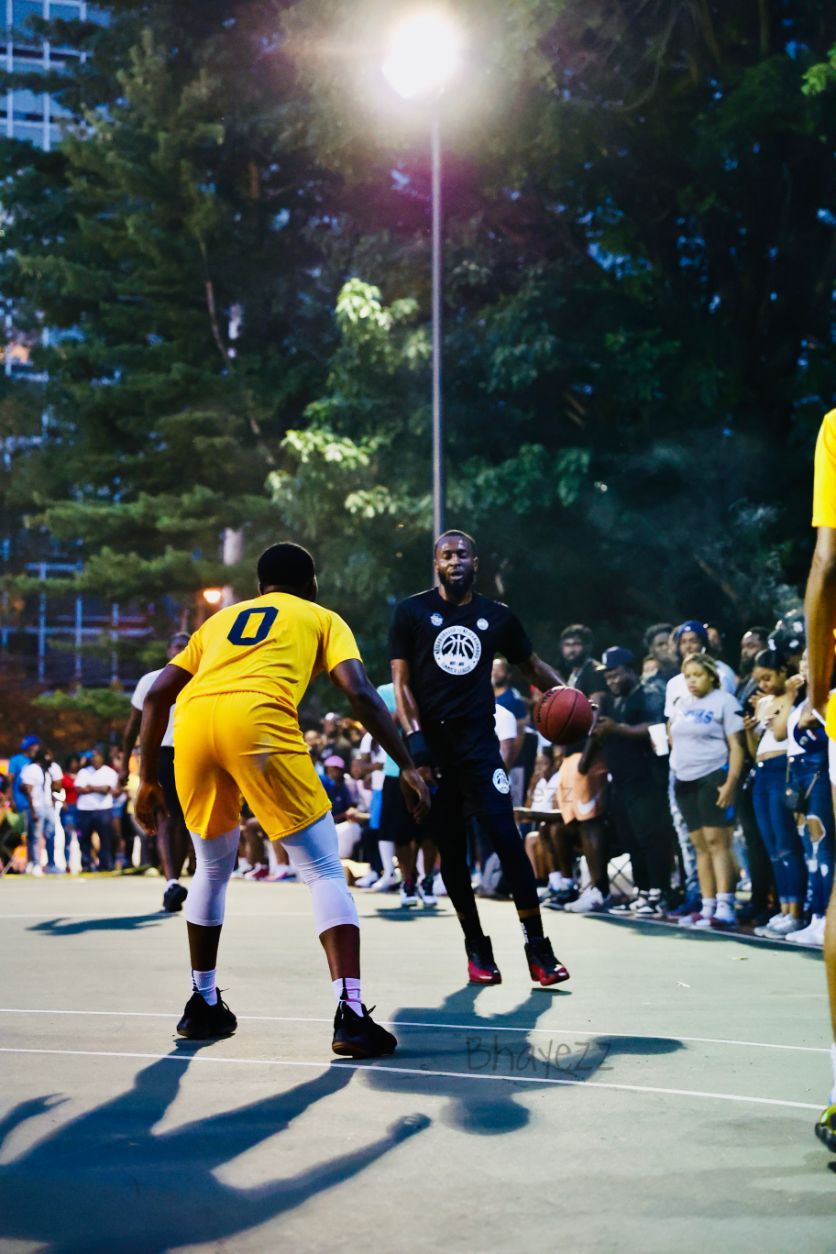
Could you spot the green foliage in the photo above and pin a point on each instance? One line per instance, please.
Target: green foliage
(636, 312)
(104, 704)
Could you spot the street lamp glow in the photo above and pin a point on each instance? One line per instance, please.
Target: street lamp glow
(423, 56)
(212, 596)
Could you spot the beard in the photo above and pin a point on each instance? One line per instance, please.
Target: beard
(457, 588)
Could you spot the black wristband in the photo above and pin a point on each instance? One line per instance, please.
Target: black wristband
(418, 748)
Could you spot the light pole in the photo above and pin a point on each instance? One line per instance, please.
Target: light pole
(423, 57)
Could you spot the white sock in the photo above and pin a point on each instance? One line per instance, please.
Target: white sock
(204, 982)
(833, 1060)
(352, 993)
(171, 884)
(387, 856)
(557, 881)
(709, 905)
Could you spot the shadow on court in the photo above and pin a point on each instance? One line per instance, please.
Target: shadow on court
(61, 926)
(106, 1181)
(485, 1059)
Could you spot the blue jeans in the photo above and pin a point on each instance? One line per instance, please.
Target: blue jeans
(38, 827)
(100, 821)
(777, 827)
(809, 775)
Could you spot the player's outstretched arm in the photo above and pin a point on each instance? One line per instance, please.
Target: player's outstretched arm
(150, 801)
(820, 612)
(368, 708)
(540, 674)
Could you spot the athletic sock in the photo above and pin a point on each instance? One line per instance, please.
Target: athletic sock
(387, 857)
(205, 984)
(532, 925)
(171, 884)
(709, 905)
(558, 881)
(347, 989)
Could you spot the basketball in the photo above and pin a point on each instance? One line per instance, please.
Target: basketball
(563, 715)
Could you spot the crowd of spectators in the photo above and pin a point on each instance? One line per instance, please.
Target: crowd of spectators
(701, 796)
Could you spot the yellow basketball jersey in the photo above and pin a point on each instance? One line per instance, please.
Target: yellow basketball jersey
(274, 644)
(824, 475)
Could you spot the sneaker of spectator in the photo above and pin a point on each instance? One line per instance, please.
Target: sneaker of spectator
(258, 872)
(591, 901)
(282, 872)
(409, 893)
(650, 907)
(779, 927)
(368, 880)
(426, 891)
(386, 884)
(812, 935)
(439, 888)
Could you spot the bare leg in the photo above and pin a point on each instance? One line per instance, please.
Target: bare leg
(705, 866)
(342, 949)
(718, 841)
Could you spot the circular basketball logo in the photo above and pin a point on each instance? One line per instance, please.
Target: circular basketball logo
(457, 650)
(501, 782)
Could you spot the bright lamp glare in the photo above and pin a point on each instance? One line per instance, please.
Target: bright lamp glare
(212, 596)
(424, 54)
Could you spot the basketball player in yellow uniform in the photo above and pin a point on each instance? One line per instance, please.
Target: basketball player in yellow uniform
(237, 685)
(820, 609)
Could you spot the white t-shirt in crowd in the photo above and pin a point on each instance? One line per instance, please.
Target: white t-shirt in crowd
(104, 777)
(678, 686)
(379, 757)
(141, 691)
(544, 793)
(699, 727)
(505, 724)
(36, 777)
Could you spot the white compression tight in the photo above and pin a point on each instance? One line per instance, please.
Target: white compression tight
(314, 855)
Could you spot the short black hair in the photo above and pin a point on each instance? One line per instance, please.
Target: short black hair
(577, 631)
(762, 632)
(770, 660)
(454, 531)
(285, 565)
(655, 630)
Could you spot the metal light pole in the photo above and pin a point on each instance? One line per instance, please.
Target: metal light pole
(439, 486)
(424, 56)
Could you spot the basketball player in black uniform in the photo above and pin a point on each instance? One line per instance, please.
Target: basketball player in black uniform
(442, 647)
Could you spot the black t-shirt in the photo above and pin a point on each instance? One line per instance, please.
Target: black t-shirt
(450, 650)
(629, 761)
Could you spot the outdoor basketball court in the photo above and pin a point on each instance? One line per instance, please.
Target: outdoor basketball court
(663, 1099)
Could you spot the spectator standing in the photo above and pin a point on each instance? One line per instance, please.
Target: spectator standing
(757, 910)
(29, 746)
(639, 784)
(808, 791)
(40, 779)
(776, 822)
(96, 786)
(705, 726)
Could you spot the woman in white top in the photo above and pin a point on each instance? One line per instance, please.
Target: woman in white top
(705, 725)
(776, 822)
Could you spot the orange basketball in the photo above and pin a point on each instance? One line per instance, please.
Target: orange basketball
(563, 715)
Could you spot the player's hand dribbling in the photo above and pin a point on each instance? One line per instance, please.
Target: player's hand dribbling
(416, 793)
(150, 806)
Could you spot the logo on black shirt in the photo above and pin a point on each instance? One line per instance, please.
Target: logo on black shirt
(501, 782)
(457, 650)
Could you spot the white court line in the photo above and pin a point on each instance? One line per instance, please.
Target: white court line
(484, 1026)
(247, 914)
(445, 1075)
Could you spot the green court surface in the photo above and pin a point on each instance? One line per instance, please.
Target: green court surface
(664, 1099)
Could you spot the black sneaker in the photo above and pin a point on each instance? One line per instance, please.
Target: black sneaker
(173, 898)
(481, 968)
(202, 1022)
(559, 898)
(545, 969)
(357, 1036)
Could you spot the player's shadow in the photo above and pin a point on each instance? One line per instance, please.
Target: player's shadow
(107, 1181)
(473, 1059)
(62, 926)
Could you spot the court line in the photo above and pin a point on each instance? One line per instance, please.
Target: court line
(248, 914)
(416, 1071)
(483, 1026)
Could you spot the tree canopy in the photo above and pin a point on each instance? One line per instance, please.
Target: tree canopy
(231, 248)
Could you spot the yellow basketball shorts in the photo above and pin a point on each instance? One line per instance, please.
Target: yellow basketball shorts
(241, 744)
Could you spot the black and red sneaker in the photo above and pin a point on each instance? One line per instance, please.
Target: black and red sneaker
(358, 1036)
(542, 964)
(481, 968)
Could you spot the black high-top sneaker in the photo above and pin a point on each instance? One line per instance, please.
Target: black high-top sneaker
(542, 964)
(202, 1022)
(358, 1036)
(481, 968)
